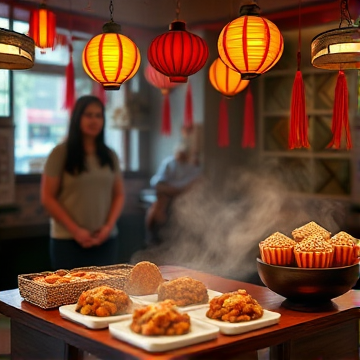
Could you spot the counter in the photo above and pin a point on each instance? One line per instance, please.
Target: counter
(43, 334)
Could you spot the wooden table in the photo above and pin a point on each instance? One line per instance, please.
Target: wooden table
(43, 334)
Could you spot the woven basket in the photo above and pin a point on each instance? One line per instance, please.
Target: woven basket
(51, 296)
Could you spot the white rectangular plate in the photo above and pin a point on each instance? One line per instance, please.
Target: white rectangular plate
(200, 332)
(153, 298)
(226, 328)
(93, 322)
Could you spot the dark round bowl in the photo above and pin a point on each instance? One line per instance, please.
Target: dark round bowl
(308, 289)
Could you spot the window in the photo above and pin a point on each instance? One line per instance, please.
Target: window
(40, 120)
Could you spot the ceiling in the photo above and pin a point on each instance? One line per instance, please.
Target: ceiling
(159, 13)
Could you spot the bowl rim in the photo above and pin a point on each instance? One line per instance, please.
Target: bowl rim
(307, 269)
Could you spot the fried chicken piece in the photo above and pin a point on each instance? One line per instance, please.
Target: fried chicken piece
(234, 307)
(160, 319)
(103, 301)
(183, 291)
(144, 279)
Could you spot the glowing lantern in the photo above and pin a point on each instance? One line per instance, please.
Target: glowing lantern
(226, 80)
(250, 44)
(42, 27)
(111, 58)
(178, 53)
(163, 83)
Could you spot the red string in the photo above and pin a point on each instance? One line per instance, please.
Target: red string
(298, 134)
(70, 84)
(340, 118)
(223, 124)
(166, 123)
(248, 139)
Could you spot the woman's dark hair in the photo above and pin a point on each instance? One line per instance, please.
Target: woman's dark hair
(75, 154)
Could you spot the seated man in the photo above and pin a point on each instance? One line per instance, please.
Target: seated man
(176, 174)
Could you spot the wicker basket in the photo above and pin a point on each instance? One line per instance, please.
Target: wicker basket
(51, 296)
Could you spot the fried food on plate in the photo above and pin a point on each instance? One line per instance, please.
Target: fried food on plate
(103, 301)
(234, 307)
(160, 319)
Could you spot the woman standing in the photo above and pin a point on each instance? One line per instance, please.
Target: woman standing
(82, 189)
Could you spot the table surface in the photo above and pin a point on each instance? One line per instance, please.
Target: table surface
(292, 325)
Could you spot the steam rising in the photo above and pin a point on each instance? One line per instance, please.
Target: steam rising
(216, 227)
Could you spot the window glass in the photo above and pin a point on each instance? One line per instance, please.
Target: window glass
(4, 81)
(40, 120)
(4, 93)
(57, 56)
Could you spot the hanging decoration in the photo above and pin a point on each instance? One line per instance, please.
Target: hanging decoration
(298, 132)
(17, 51)
(338, 49)
(340, 118)
(188, 113)
(111, 58)
(163, 83)
(250, 44)
(248, 138)
(178, 53)
(70, 82)
(98, 91)
(42, 27)
(229, 83)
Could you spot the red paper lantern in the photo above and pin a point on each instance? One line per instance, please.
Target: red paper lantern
(163, 83)
(158, 79)
(178, 53)
(42, 27)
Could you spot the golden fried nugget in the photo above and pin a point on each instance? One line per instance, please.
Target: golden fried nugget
(183, 291)
(160, 319)
(103, 301)
(144, 279)
(234, 307)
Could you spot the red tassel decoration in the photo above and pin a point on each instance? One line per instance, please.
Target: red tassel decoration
(223, 125)
(188, 115)
(248, 139)
(70, 83)
(340, 117)
(298, 134)
(166, 123)
(99, 91)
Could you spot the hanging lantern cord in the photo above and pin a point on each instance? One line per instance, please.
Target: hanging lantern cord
(177, 9)
(299, 40)
(345, 13)
(111, 8)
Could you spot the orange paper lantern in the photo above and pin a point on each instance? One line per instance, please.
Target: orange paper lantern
(42, 27)
(226, 80)
(111, 58)
(250, 44)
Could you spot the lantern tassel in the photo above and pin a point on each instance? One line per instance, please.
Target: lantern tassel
(166, 123)
(99, 91)
(248, 139)
(70, 84)
(188, 118)
(298, 134)
(223, 124)
(340, 118)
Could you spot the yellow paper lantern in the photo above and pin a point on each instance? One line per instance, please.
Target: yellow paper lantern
(111, 58)
(250, 44)
(226, 80)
